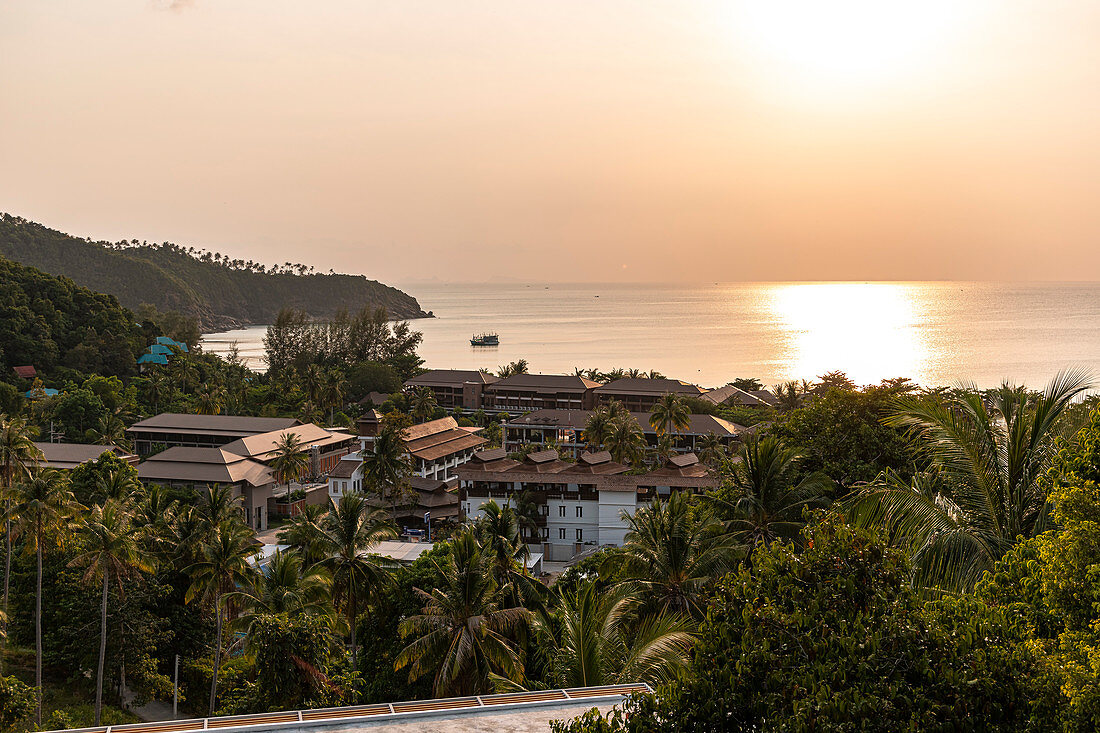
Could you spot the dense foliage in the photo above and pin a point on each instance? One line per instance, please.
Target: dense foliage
(61, 328)
(220, 291)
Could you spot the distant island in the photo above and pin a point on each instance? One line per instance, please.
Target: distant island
(221, 292)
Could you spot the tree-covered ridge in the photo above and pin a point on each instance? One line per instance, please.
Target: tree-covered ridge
(51, 323)
(220, 291)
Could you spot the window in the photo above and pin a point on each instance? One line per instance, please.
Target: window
(546, 533)
(580, 511)
(561, 512)
(544, 509)
(580, 535)
(561, 533)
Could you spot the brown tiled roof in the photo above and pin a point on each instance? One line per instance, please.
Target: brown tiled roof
(765, 395)
(239, 425)
(65, 456)
(576, 419)
(730, 394)
(449, 378)
(492, 454)
(204, 465)
(545, 382)
(344, 469)
(26, 372)
(596, 458)
(430, 428)
(263, 446)
(455, 441)
(637, 386)
(598, 463)
(684, 460)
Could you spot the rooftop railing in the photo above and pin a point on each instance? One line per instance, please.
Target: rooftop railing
(381, 712)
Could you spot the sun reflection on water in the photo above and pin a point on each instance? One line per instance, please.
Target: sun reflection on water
(867, 330)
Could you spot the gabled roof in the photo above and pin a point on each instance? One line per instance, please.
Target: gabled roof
(233, 425)
(545, 383)
(733, 395)
(344, 468)
(449, 378)
(152, 359)
(204, 465)
(639, 386)
(576, 419)
(65, 456)
(543, 456)
(263, 446)
(765, 395)
(493, 454)
(431, 427)
(26, 372)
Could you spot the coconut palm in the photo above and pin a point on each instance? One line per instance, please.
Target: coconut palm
(118, 485)
(333, 393)
(387, 466)
(110, 552)
(110, 429)
(348, 533)
(625, 440)
(212, 400)
(217, 504)
(597, 642)
(303, 533)
(499, 536)
(711, 450)
(765, 497)
(222, 565)
(156, 514)
(462, 632)
(673, 553)
(313, 383)
(18, 456)
(669, 414)
(291, 461)
(597, 427)
(284, 588)
(42, 508)
(423, 404)
(984, 490)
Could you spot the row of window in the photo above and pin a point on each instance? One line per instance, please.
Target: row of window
(561, 510)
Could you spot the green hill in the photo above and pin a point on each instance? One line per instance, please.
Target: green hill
(51, 323)
(219, 291)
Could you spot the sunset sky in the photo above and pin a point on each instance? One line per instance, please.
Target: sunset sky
(567, 140)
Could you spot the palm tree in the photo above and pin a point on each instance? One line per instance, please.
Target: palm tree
(333, 393)
(598, 427)
(110, 429)
(984, 490)
(625, 440)
(291, 461)
(217, 504)
(284, 588)
(42, 509)
(118, 485)
(313, 381)
(387, 466)
(222, 566)
(768, 497)
(461, 633)
(673, 553)
(157, 387)
(788, 396)
(669, 414)
(156, 514)
(110, 552)
(212, 400)
(500, 539)
(303, 533)
(423, 404)
(711, 450)
(18, 456)
(348, 532)
(596, 641)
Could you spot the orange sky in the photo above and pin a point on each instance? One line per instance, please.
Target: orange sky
(567, 140)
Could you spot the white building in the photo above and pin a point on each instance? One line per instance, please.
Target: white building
(581, 505)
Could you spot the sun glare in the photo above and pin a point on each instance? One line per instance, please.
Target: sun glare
(846, 43)
(868, 330)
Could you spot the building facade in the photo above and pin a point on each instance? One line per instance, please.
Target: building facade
(580, 506)
(453, 387)
(640, 395)
(170, 430)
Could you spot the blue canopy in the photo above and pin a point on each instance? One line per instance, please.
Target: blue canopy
(159, 349)
(164, 340)
(47, 392)
(152, 359)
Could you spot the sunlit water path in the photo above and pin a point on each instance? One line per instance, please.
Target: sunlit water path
(935, 333)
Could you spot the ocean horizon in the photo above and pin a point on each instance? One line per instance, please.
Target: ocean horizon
(933, 332)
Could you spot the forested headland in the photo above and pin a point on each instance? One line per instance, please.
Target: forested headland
(220, 291)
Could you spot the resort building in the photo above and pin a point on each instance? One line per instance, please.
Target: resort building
(582, 505)
(735, 397)
(453, 387)
(565, 428)
(640, 395)
(192, 468)
(67, 456)
(437, 449)
(200, 431)
(325, 447)
(528, 392)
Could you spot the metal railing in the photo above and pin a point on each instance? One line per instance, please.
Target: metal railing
(320, 717)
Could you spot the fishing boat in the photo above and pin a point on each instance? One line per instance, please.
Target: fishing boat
(485, 339)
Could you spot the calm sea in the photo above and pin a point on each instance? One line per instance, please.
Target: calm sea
(933, 332)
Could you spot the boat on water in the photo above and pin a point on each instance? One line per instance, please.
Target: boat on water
(485, 339)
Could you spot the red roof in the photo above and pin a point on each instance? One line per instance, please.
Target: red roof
(26, 372)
